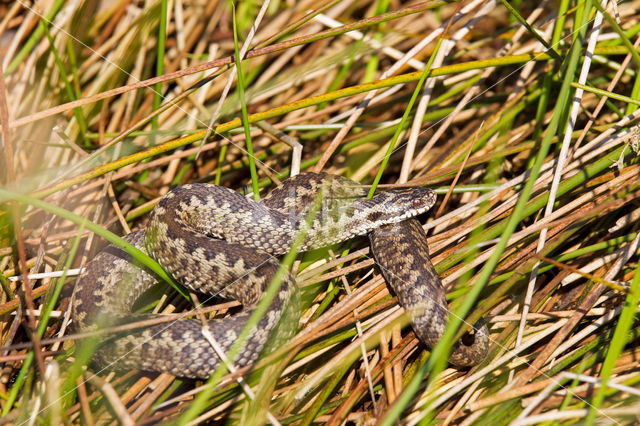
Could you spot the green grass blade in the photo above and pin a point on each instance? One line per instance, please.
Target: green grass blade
(243, 106)
(405, 118)
(160, 52)
(606, 93)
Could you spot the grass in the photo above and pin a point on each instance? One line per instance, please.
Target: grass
(103, 110)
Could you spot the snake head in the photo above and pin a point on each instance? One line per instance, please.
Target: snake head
(396, 205)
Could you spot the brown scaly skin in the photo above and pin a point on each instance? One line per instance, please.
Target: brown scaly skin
(217, 242)
(416, 283)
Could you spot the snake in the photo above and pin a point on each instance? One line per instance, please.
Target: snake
(217, 242)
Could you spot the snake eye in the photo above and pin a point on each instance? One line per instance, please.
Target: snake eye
(416, 203)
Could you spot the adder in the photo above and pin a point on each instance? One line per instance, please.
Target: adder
(215, 241)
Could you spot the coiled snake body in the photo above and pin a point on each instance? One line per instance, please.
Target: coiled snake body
(215, 241)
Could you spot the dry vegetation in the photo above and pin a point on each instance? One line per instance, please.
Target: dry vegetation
(536, 228)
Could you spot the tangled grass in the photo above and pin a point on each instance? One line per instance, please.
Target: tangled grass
(523, 116)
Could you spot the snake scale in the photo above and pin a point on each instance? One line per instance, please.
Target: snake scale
(217, 242)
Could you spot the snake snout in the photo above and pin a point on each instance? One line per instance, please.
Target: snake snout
(408, 202)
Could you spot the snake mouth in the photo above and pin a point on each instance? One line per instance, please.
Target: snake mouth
(410, 214)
